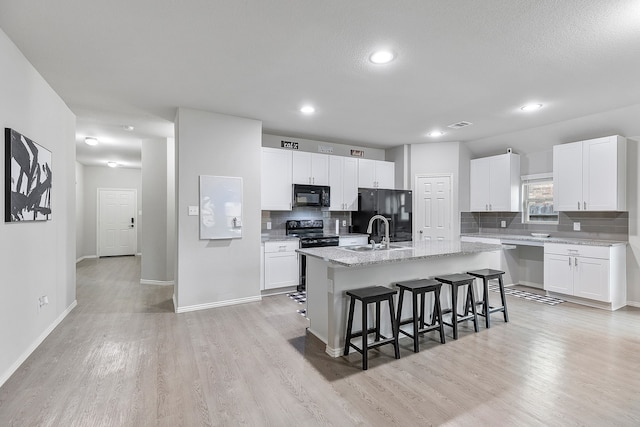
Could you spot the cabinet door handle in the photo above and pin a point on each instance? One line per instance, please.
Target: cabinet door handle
(578, 205)
(569, 262)
(490, 207)
(584, 205)
(575, 262)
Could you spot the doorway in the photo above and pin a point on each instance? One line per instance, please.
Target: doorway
(433, 208)
(117, 222)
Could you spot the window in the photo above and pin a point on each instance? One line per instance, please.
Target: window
(537, 198)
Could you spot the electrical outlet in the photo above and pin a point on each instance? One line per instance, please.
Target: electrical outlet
(344, 222)
(193, 210)
(503, 224)
(268, 225)
(576, 226)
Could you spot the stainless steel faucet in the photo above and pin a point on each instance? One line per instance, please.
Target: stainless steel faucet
(385, 239)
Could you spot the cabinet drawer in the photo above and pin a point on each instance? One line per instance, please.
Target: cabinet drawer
(601, 252)
(281, 246)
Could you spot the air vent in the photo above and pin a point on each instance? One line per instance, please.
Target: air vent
(459, 125)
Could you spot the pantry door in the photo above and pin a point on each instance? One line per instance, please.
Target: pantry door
(432, 213)
(117, 222)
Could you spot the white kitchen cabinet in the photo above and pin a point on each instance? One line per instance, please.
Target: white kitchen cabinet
(376, 174)
(353, 240)
(495, 183)
(276, 190)
(310, 168)
(590, 175)
(343, 180)
(596, 274)
(281, 264)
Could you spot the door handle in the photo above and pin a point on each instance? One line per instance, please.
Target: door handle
(584, 205)
(575, 262)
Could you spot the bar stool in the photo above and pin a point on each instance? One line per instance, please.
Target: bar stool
(420, 288)
(456, 281)
(370, 295)
(486, 275)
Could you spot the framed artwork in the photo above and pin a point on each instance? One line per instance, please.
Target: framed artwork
(220, 207)
(27, 194)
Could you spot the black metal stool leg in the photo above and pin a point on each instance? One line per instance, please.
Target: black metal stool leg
(394, 326)
(422, 310)
(438, 312)
(471, 291)
(415, 321)
(365, 346)
(454, 310)
(347, 344)
(504, 299)
(377, 320)
(400, 301)
(486, 309)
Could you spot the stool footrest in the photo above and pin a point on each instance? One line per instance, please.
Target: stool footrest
(429, 328)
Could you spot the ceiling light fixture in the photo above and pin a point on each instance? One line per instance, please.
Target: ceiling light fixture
(531, 107)
(308, 109)
(128, 127)
(112, 164)
(382, 57)
(435, 133)
(91, 141)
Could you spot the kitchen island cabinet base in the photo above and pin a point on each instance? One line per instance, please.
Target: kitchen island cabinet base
(327, 304)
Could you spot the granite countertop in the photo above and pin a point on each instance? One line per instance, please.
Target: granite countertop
(408, 251)
(529, 238)
(277, 238)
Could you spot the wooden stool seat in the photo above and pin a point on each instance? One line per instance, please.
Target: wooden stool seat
(455, 281)
(420, 288)
(487, 274)
(366, 296)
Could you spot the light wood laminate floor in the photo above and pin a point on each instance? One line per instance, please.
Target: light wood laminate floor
(123, 358)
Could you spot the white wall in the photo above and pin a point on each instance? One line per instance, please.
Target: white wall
(79, 210)
(153, 244)
(400, 156)
(444, 158)
(171, 208)
(211, 273)
(36, 259)
(105, 177)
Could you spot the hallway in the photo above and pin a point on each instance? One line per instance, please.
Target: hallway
(123, 358)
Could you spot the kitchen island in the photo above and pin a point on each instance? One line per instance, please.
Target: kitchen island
(331, 271)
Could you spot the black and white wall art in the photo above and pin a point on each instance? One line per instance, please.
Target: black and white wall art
(27, 180)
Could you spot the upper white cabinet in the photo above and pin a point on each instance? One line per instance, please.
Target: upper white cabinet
(343, 179)
(376, 174)
(310, 168)
(590, 175)
(276, 179)
(495, 183)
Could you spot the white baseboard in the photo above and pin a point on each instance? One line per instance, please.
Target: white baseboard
(175, 305)
(156, 282)
(13, 368)
(633, 303)
(217, 304)
(334, 352)
(86, 257)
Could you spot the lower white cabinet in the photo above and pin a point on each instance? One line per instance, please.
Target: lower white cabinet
(595, 273)
(280, 264)
(352, 240)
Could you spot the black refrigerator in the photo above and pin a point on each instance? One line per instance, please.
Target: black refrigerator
(395, 205)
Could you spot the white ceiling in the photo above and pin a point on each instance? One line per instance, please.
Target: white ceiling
(128, 62)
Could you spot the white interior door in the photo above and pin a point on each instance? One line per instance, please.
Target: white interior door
(117, 222)
(432, 216)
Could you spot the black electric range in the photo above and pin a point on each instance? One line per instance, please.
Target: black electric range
(311, 235)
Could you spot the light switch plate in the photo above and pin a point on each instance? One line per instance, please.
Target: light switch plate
(503, 224)
(268, 225)
(576, 226)
(193, 210)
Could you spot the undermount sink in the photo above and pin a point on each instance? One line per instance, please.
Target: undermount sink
(377, 247)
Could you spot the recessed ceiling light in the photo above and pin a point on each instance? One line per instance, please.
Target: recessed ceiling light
(435, 133)
(128, 127)
(91, 141)
(382, 57)
(308, 109)
(531, 107)
(112, 164)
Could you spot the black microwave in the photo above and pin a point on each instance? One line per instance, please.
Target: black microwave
(311, 195)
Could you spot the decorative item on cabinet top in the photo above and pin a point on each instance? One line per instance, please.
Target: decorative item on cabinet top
(220, 207)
